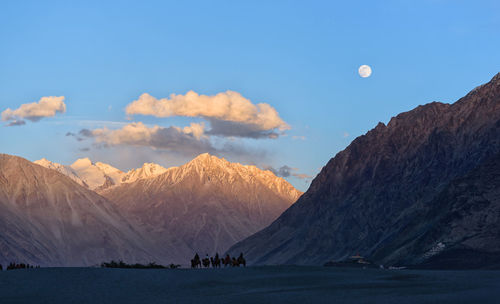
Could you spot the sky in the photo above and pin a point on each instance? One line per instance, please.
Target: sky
(269, 83)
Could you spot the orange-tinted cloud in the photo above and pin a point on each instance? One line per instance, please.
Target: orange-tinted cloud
(45, 107)
(229, 113)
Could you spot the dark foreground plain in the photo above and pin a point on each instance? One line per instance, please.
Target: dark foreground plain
(272, 284)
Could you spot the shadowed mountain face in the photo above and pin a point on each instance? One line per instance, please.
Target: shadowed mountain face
(204, 206)
(368, 198)
(468, 231)
(48, 219)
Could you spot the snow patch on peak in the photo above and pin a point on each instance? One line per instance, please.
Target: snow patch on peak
(99, 176)
(81, 163)
(44, 162)
(209, 169)
(146, 171)
(203, 156)
(207, 158)
(106, 168)
(66, 170)
(96, 175)
(115, 174)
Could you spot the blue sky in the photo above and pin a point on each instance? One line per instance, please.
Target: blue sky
(301, 58)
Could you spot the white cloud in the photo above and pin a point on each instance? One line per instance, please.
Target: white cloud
(45, 107)
(229, 113)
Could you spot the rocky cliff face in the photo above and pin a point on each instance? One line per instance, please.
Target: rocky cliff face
(205, 205)
(50, 220)
(368, 194)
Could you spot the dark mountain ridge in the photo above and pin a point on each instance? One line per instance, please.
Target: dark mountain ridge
(366, 195)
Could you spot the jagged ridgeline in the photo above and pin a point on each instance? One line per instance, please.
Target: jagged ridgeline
(204, 206)
(421, 190)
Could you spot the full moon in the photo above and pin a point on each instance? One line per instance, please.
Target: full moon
(365, 71)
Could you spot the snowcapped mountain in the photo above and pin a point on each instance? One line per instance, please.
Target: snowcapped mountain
(99, 176)
(47, 218)
(66, 170)
(204, 206)
(146, 171)
(208, 203)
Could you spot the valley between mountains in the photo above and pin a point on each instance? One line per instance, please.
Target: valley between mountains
(422, 190)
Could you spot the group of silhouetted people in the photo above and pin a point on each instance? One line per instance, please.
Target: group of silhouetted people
(12, 266)
(216, 261)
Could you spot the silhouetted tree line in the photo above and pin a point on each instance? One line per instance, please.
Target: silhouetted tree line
(12, 266)
(216, 262)
(152, 265)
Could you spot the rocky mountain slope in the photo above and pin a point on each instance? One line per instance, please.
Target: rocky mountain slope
(48, 219)
(368, 198)
(469, 230)
(207, 204)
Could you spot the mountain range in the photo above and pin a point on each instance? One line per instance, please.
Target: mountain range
(99, 176)
(208, 203)
(419, 191)
(87, 213)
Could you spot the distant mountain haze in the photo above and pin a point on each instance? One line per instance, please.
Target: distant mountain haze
(421, 190)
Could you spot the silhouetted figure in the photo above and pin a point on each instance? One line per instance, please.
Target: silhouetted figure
(1, 267)
(227, 261)
(195, 262)
(17, 266)
(206, 261)
(234, 262)
(216, 261)
(241, 260)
